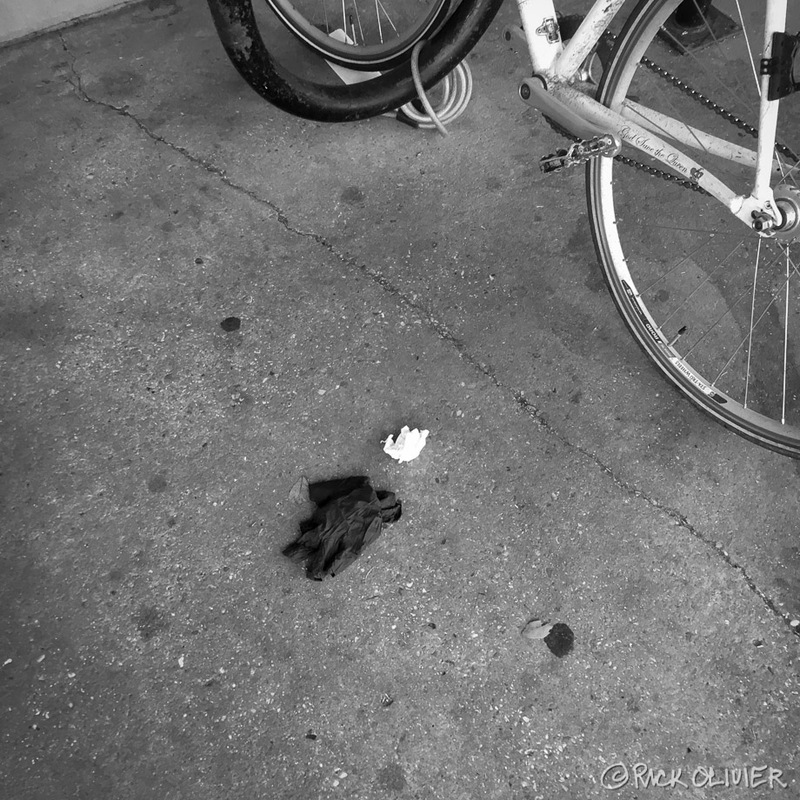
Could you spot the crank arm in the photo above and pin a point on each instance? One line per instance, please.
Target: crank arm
(534, 92)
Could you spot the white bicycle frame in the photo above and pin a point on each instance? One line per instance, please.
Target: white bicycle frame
(556, 65)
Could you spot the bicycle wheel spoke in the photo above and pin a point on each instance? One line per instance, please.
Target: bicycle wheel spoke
(378, 20)
(751, 328)
(358, 20)
(752, 58)
(785, 341)
(708, 231)
(386, 15)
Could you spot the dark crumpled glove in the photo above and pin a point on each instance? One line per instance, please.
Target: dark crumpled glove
(349, 516)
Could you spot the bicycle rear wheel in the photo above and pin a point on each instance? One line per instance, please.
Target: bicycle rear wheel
(715, 306)
(300, 80)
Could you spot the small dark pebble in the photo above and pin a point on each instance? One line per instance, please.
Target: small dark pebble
(157, 483)
(310, 735)
(431, 624)
(560, 639)
(198, 260)
(150, 621)
(231, 324)
(352, 195)
(391, 779)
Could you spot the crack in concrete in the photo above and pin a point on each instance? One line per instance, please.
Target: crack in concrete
(75, 82)
(123, 111)
(444, 333)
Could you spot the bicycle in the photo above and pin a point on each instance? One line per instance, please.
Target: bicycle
(691, 171)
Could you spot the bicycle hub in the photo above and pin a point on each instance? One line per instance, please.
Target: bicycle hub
(787, 198)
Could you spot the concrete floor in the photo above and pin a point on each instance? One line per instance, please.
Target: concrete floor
(155, 642)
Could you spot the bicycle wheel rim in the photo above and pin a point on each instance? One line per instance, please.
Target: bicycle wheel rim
(360, 56)
(678, 282)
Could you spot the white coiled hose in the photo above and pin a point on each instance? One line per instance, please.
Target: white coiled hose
(456, 89)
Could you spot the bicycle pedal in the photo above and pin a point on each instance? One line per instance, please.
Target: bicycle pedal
(579, 153)
(555, 162)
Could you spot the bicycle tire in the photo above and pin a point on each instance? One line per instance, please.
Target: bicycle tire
(714, 306)
(282, 84)
(362, 43)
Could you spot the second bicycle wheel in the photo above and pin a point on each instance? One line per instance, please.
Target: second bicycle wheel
(714, 305)
(302, 81)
